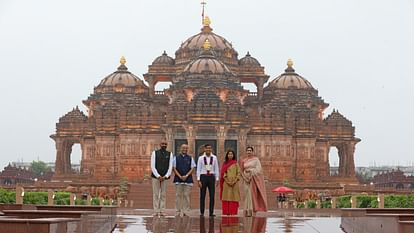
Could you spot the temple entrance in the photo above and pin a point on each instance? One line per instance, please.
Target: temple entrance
(333, 161)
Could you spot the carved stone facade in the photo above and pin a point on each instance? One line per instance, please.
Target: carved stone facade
(206, 101)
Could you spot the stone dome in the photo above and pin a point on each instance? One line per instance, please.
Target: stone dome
(290, 79)
(121, 77)
(196, 41)
(206, 62)
(164, 59)
(248, 60)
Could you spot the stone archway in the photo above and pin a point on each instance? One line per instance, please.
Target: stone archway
(63, 164)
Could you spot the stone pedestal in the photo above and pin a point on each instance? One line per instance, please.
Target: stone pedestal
(19, 195)
(89, 200)
(381, 200)
(333, 203)
(353, 202)
(72, 199)
(50, 197)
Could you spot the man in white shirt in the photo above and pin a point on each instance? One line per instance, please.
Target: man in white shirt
(208, 177)
(161, 167)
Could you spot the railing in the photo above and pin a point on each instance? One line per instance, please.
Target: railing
(159, 93)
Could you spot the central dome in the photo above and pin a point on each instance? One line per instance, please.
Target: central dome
(206, 62)
(197, 41)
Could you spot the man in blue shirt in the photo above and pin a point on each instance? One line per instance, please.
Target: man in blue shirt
(183, 166)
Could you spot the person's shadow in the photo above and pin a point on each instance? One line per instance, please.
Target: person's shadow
(203, 225)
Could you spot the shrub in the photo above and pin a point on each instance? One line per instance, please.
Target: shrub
(7, 197)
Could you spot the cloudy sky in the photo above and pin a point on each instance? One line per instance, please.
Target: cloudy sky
(358, 54)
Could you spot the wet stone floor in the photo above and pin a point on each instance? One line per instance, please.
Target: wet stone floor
(273, 221)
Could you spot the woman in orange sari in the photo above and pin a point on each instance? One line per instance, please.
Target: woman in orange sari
(229, 184)
(255, 198)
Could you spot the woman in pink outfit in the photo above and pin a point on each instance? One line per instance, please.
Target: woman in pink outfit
(255, 198)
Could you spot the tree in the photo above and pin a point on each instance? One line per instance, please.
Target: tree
(39, 168)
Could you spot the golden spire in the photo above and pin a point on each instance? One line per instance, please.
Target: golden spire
(206, 21)
(206, 45)
(122, 60)
(290, 63)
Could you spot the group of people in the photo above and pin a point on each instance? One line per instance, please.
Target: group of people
(233, 175)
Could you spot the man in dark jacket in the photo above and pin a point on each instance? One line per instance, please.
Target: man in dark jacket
(161, 167)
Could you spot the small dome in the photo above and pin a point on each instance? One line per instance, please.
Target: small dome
(248, 60)
(207, 62)
(164, 59)
(121, 77)
(290, 79)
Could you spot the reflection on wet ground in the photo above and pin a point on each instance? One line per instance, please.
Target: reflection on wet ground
(273, 222)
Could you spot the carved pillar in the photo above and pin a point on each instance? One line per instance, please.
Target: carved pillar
(342, 160)
(59, 167)
(350, 166)
(190, 131)
(169, 136)
(242, 141)
(221, 131)
(151, 85)
(260, 85)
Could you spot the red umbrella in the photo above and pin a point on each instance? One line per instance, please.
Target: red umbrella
(283, 189)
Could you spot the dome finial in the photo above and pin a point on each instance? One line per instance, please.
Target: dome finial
(206, 45)
(290, 63)
(122, 60)
(206, 21)
(290, 69)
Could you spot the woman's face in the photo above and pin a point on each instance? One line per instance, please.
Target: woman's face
(230, 155)
(249, 151)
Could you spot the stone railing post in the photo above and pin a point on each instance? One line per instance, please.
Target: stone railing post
(72, 199)
(353, 202)
(333, 203)
(19, 195)
(381, 200)
(50, 197)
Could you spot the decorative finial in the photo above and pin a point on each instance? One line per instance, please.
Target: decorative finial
(248, 54)
(122, 60)
(290, 63)
(289, 69)
(206, 45)
(206, 21)
(164, 53)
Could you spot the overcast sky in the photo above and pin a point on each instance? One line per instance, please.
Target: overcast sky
(358, 54)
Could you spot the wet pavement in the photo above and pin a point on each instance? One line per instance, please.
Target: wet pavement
(272, 221)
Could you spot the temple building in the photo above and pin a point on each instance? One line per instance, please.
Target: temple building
(206, 103)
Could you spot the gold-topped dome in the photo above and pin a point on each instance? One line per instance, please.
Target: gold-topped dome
(197, 41)
(121, 78)
(290, 79)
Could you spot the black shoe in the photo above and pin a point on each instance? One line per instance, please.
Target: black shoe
(212, 215)
(201, 215)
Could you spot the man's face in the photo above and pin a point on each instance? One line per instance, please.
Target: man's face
(163, 145)
(184, 149)
(207, 149)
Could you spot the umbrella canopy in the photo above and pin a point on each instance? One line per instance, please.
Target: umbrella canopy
(283, 189)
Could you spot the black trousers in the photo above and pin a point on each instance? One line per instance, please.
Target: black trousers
(210, 183)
